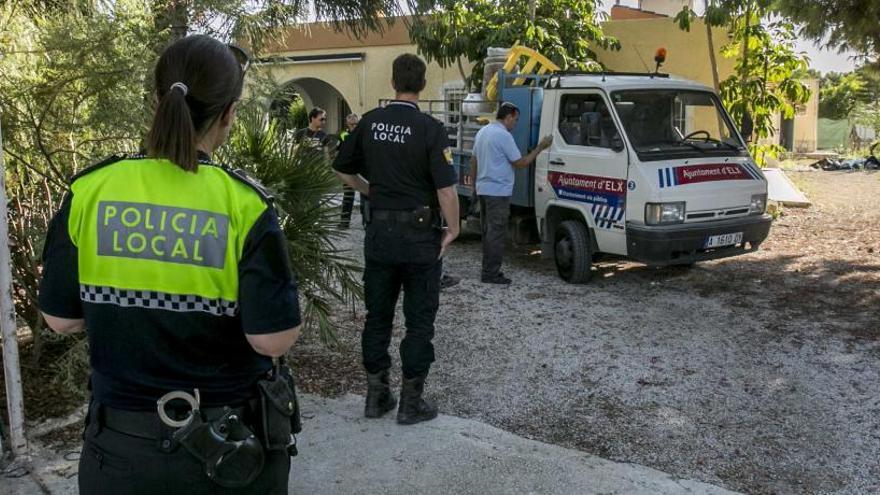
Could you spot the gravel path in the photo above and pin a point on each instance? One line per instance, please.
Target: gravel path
(758, 373)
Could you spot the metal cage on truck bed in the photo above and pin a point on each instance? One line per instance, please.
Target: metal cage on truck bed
(462, 128)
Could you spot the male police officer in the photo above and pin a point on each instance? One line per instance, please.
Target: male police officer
(402, 153)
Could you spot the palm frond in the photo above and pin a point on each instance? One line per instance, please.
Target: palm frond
(304, 186)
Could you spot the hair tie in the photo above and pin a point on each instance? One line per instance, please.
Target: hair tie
(180, 86)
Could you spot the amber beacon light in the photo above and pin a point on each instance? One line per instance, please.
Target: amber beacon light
(659, 57)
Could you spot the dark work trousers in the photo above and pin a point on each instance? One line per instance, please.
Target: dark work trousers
(494, 215)
(399, 256)
(347, 204)
(120, 464)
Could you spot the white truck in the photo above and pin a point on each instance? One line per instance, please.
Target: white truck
(644, 166)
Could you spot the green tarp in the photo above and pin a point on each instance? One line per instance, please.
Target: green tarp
(834, 134)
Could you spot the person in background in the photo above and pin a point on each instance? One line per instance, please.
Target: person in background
(314, 134)
(351, 121)
(495, 157)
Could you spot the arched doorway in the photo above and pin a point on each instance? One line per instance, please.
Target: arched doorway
(313, 93)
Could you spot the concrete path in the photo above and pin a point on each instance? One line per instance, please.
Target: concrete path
(343, 453)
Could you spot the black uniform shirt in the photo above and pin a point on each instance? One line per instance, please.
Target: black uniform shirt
(402, 153)
(138, 354)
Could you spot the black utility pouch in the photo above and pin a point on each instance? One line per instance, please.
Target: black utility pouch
(230, 453)
(367, 212)
(279, 410)
(423, 217)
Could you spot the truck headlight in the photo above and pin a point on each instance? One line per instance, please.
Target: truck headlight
(664, 213)
(758, 204)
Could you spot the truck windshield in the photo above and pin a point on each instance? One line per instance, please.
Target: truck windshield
(664, 123)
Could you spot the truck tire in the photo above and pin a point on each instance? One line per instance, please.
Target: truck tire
(572, 252)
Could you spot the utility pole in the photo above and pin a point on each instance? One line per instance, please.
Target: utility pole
(11, 368)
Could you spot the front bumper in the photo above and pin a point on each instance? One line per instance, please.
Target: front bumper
(682, 244)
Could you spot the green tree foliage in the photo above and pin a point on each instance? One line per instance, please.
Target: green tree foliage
(298, 115)
(74, 87)
(562, 30)
(843, 24)
(765, 82)
(71, 91)
(839, 94)
(854, 96)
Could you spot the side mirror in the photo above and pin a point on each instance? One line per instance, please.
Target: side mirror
(617, 144)
(748, 126)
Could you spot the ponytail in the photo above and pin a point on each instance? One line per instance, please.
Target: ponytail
(197, 79)
(173, 135)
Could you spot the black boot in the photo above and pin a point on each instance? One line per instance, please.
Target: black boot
(380, 400)
(413, 408)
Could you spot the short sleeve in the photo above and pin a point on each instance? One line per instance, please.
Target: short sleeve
(350, 159)
(440, 156)
(59, 287)
(509, 147)
(267, 291)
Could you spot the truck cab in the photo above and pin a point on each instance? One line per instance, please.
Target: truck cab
(643, 166)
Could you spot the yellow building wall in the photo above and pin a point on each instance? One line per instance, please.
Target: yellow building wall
(806, 122)
(361, 83)
(687, 52)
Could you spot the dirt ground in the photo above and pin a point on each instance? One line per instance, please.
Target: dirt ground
(759, 373)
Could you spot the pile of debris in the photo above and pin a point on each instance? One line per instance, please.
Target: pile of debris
(869, 163)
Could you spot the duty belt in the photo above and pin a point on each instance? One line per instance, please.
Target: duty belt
(398, 215)
(147, 424)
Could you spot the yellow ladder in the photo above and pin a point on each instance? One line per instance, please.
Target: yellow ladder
(532, 59)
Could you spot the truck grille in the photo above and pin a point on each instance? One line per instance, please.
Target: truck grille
(705, 215)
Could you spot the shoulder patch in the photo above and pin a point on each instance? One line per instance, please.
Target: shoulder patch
(447, 153)
(101, 164)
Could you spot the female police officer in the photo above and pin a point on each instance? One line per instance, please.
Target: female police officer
(177, 268)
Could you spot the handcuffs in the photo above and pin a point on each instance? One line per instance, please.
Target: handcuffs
(230, 452)
(193, 401)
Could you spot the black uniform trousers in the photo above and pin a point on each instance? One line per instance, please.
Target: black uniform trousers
(399, 255)
(121, 464)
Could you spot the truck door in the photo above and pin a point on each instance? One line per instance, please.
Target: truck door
(587, 165)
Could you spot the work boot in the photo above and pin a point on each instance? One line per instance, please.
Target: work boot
(413, 408)
(380, 400)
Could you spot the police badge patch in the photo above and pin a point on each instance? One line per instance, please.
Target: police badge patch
(447, 153)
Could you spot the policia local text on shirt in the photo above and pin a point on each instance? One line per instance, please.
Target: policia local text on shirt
(177, 268)
(402, 153)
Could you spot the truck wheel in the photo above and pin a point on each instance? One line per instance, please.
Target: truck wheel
(572, 252)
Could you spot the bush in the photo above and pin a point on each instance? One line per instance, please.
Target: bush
(298, 115)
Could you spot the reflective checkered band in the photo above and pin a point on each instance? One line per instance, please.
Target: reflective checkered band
(183, 303)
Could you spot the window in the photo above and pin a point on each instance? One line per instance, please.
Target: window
(584, 120)
(662, 123)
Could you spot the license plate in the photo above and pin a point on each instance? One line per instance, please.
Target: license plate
(714, 241)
